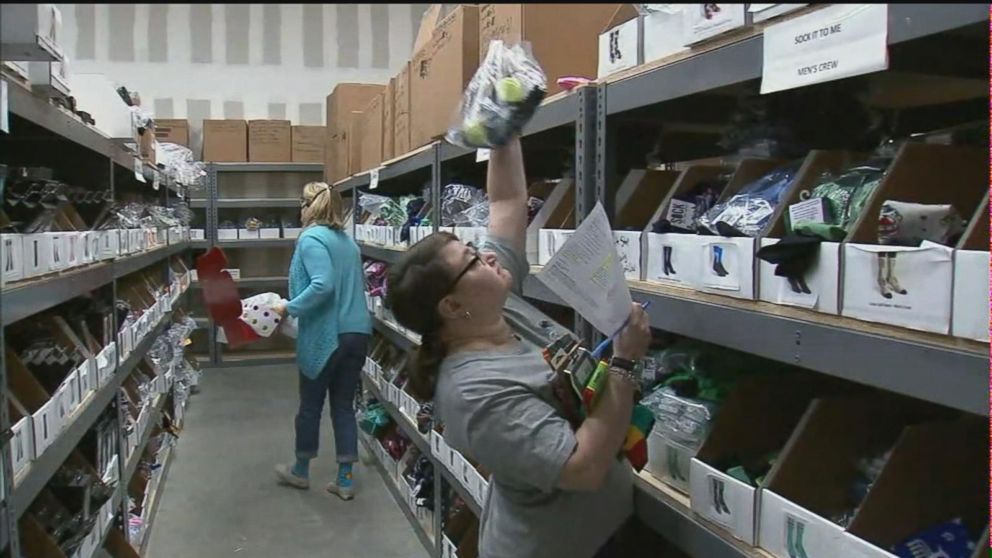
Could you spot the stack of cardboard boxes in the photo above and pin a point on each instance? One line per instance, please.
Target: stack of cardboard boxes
(255, 141)
(370, 124)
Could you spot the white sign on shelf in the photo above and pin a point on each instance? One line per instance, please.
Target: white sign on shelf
(139, 174)
(482, 155)
(835, 42)
(4, 118)
(373, 179)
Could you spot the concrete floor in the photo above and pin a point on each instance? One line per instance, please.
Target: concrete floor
(221, 496)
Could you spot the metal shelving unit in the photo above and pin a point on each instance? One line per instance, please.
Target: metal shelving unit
(940, 369)
(42, 469)
(36, 119)
(212, 203)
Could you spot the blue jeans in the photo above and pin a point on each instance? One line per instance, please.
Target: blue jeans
(339, 382)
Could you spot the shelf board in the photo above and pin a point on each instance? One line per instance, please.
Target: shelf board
(936, 368)
(463, 492)
(409, 429)
(156, 499)
(256, 358)
(394, 336)
(132, 465)
(698, 72)
(27, 298)
(380, 253)
(268, 167)
(257, 203)
(38, 473)
(41, 112)
(387, 479)
(257, 243)
(253, 282)
(667, 512)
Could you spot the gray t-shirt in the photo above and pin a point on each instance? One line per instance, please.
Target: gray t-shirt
(498, 409)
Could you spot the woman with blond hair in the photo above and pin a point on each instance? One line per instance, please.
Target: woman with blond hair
(327, 295)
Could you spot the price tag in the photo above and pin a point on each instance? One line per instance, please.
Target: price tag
(4, 118)
(373, 179)
(482, 155)
(836, 42)
(155, 181)
(139, 174)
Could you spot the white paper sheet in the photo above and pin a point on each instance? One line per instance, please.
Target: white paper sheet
(586, 274)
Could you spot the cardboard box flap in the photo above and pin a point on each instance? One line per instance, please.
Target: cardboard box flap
(428, 22)
(623, 14)
(819, 464)
(640, 195)
(761, 413)
(976, 236)
(927, 174)
(687, 180)
(937, 472)
(23, 384)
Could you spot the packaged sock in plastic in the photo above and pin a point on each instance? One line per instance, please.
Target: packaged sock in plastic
(503, 95)
(750, 210)
(844, 196)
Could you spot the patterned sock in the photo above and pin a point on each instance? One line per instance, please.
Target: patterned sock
(302, 468)
(344, 474)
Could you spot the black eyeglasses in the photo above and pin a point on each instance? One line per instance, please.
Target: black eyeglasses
(306, 203)
(476, 258)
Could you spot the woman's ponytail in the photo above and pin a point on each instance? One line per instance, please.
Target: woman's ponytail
(414, 287)
(427, 366)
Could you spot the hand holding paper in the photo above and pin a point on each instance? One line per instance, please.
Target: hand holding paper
(586, 274)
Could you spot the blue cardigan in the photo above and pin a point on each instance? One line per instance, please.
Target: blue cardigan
(327, 295)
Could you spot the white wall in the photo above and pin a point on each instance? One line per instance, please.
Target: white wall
(239, 60)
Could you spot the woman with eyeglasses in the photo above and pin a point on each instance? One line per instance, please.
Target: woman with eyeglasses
(555, 491)
(327, 295)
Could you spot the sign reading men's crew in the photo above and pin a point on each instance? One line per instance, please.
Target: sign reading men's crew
(836, 42)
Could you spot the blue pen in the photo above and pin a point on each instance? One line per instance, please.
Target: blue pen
(601, 348)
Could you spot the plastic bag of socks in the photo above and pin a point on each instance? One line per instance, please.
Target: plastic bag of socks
(844, 197)
(464, 206)
(503, 95)
(750, 210)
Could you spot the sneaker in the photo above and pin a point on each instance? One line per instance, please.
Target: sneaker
(343, 488)
(288, 477)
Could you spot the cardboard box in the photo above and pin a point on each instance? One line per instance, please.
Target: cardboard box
(370, 144)
(705, 21)
(664, 31)
(757, 418)
(910, 287)
(673, 259)
(562, 36)
(902, 500)
(270, 141)
(822, 278)
(225, 141)
(812, 478)
(764, 12)
(172, 130)
(556, 213)
(638, 198)
(439, 73)
(12, 250)
(401, 112)
(342, 104)
(353, 144)
(388, 121)
(620, 42)
(308, 144)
